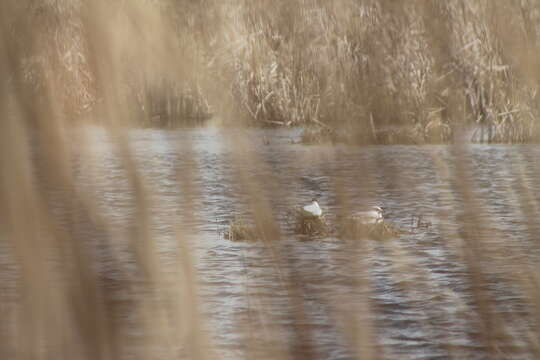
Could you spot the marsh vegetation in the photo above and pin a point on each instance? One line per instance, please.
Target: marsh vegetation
(355, 71)
(111, 221)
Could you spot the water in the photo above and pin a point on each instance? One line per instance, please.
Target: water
(414, 292)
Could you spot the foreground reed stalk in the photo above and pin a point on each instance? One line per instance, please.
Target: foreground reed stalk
(85, 283)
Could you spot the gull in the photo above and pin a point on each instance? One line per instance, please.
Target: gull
(312, 209)
(372, 216)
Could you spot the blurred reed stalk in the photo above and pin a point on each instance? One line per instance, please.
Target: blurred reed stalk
(423, 71)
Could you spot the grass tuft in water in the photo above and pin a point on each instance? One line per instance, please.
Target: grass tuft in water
(383, 230)
(311, 226)
(239, 230)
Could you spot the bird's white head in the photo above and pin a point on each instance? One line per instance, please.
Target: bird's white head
(379, 209)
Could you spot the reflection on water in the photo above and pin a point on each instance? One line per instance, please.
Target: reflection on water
(414, 290)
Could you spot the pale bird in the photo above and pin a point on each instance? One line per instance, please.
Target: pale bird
(312, 209)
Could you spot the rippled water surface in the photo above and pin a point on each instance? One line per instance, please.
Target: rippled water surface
(414, 293)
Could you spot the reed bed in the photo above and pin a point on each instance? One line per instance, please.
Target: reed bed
(426, 70)
(377, 71)
(239, 230)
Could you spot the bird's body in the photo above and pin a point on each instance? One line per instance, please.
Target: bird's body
(372, 216)
(312, 209)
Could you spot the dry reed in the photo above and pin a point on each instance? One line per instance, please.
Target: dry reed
(374, 71)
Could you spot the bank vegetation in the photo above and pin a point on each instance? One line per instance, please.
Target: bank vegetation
(362, 71)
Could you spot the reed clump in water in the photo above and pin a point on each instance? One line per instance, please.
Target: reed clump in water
(311, 226)
(240, 230)
(382, 230)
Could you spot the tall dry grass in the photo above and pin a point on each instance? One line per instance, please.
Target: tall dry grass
(378, 71)
(433, 68)
(425, 67)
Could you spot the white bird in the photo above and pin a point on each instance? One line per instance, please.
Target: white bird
(372, 216)
(312, 209)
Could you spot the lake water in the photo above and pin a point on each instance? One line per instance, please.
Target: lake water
(315, 299)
